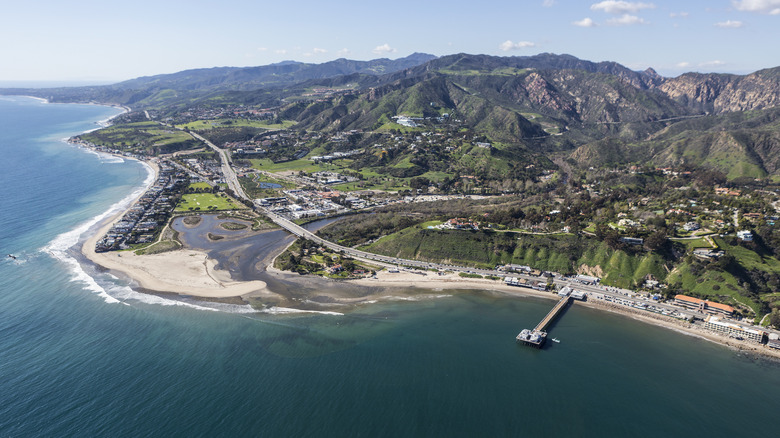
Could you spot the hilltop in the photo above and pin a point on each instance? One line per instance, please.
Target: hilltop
(545, 106)
(586, 167)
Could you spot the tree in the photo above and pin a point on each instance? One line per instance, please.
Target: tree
(774, 319)
(656, 240)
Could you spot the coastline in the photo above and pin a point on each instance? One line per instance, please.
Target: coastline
(190, 272)
(184, 272)
(409, 280)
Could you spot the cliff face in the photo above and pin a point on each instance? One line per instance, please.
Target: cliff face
(719, 93)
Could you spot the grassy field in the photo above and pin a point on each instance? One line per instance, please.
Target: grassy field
(253, 188)
(719, 285)
(204, 125)
(294, 165)
(207, 201)
(750, 259)
(143, 136)
(561, 253)
(694, 243)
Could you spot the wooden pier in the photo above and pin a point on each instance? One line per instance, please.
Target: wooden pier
(537, 336)
(542, 326)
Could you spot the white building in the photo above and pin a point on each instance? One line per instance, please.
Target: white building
(734, 330)
(745, 235)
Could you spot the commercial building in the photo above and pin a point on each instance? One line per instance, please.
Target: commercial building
(734, 330)
(703, 306)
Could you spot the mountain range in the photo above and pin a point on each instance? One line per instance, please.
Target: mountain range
(596, 113)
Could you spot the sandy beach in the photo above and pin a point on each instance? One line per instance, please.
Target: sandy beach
(410, 280)
(185, 271)
(191, 272)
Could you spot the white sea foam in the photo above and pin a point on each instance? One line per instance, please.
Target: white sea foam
(58, 248)
(102, 156)
(286, 310)
(416, 297)
(109, 159)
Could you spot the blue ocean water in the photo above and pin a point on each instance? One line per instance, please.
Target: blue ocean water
(82, 354)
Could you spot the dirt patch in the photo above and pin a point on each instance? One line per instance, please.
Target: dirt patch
(593, 271)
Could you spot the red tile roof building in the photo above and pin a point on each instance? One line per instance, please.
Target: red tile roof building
(703, 306)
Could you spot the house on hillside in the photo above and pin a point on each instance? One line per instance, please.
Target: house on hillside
(745, 235)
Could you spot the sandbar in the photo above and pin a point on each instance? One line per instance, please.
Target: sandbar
(191, 272)
(184, 271)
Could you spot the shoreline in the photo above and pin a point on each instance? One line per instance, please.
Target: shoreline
(192, 273)
(184, 271)
(450, 282)
(188, 272)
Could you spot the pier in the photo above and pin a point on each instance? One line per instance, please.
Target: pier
(537, 336)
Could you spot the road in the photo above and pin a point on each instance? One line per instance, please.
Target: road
(387, 260)
(227, 169)
(232, 180)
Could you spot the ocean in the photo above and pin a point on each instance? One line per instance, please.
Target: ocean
(83, 354)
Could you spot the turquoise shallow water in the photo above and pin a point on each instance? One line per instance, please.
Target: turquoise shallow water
(81, 354)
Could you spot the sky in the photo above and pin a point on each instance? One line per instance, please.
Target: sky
(104, 41)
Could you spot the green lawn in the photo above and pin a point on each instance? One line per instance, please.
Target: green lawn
(206, 202)
(694, 243)
(141, 135)
(750, 259)
(295, 165)
(204, 125)
(714, 284)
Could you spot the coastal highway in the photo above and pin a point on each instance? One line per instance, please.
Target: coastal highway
(232, 180)
(227, 169)
(387, 260)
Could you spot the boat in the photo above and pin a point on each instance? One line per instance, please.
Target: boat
(556, 340)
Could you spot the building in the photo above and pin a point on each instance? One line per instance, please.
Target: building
(578, 295)
(587, 279)
(632, 240)
(704, 253)
(734, 330)
(703, 306)
(745, 235)
(691, 226)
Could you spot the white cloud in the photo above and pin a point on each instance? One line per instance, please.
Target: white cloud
(678, 14)
(620, 7)
(625, 20)
(684, 64)
(585, 22)
(715, 63)
(281, 51)
(509, 45)
(343, 51)
(729, 24)
(262, 49)
(384, 49)
(771, 7)
(548, 3)
(318, 50)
